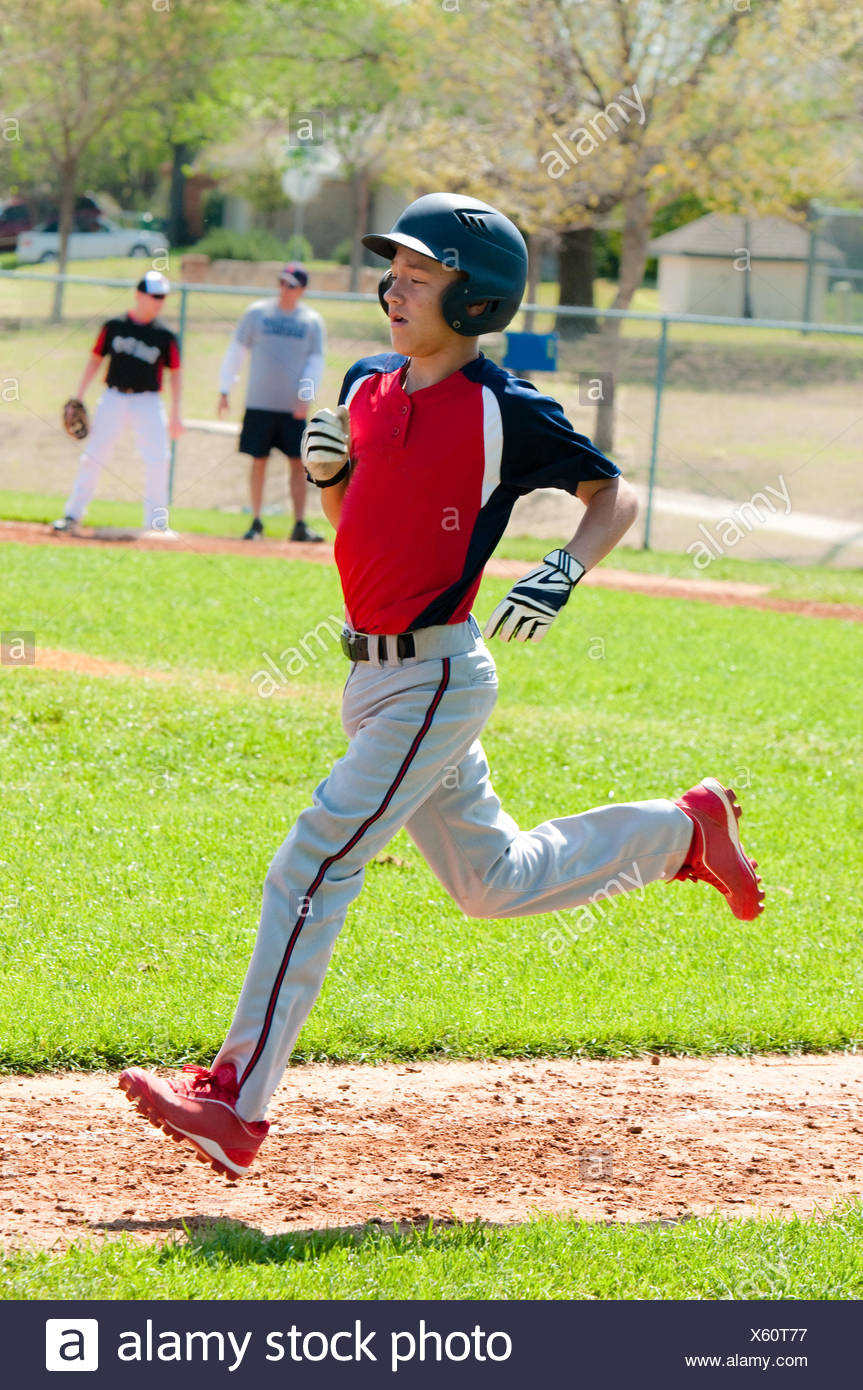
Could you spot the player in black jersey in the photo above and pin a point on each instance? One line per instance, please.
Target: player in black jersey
(138, 349)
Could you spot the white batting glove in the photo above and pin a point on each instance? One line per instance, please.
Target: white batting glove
(326, 444)
(534, 602)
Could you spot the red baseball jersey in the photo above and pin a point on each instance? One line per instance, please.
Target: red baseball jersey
(435, 477)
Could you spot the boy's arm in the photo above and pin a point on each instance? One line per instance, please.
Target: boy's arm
(331, 502)
(530, 607)
(235, 355)
(94, 362)
(229, 370)
(610, 509)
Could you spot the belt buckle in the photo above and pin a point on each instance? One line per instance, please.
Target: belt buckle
(355, 648)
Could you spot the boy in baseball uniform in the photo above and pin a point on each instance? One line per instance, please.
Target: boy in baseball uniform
(285, 341)
(138, 349)
(419, 468)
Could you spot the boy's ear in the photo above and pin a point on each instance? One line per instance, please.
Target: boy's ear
(474, 310)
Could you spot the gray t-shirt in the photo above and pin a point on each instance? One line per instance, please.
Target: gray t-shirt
(281, 345)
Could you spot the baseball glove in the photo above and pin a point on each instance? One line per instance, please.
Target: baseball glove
(76, 421)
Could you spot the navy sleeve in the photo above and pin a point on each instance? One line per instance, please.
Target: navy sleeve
(367, 366)
(540, 447)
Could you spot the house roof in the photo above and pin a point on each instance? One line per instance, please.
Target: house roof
(725, 234)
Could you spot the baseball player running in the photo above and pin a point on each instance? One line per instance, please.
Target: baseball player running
(138, 348)
(286, 342)
(419, 469)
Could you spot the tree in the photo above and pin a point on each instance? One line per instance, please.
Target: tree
(96, 72)
(349, 70)
(580, 110)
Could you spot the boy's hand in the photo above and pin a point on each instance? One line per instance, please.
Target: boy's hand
(534, 602)
(325, 449)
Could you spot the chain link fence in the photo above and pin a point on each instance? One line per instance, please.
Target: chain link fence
(742, 435)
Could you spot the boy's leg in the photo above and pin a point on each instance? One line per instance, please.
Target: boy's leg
(151, 434)
(406, 724)
(257, 477)
(300, 532)
(108, 420)
(493, 869)
(298, 485)
(258, 435)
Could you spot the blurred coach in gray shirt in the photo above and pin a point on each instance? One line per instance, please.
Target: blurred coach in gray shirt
(286, 342)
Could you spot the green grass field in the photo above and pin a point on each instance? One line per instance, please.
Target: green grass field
(781, 580)
(139, 817)
(542, 1259)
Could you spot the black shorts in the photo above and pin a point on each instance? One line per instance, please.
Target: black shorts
(264, 430)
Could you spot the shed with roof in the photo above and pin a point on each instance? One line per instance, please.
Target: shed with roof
(704, 267)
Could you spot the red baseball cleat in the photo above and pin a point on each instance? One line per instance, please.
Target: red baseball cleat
(202, 1110)
(716, 855)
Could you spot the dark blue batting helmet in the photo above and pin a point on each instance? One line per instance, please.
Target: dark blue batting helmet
(468, 236)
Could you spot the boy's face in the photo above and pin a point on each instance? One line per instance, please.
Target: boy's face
(148, 306)
(417, 325)
(290, 295)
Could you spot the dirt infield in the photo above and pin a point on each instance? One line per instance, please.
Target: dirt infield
(717, 591)
(632, 1140)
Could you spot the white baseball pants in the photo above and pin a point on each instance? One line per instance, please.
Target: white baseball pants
(414, 760)
(145, 412)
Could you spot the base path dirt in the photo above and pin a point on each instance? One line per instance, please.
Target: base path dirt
(631, 1140)
(725, 592)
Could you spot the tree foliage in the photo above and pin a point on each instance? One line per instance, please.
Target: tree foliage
(567, 112)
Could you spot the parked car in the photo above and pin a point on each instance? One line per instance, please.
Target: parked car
(89, 241)
(15, 218)
(19, 215)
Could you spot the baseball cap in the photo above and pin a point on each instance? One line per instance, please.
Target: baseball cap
(294, 274)
(155, 283)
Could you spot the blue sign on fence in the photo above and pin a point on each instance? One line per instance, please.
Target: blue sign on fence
(531, 352)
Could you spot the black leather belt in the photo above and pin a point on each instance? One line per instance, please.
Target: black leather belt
(362, 648)
(131, 391)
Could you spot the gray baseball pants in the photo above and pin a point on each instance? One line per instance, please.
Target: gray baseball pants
(414, 760)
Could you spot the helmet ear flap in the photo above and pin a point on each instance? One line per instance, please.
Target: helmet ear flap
(383, 285)
(454, 306)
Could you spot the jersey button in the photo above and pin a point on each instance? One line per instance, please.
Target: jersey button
(396, 431)
(404, 410)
